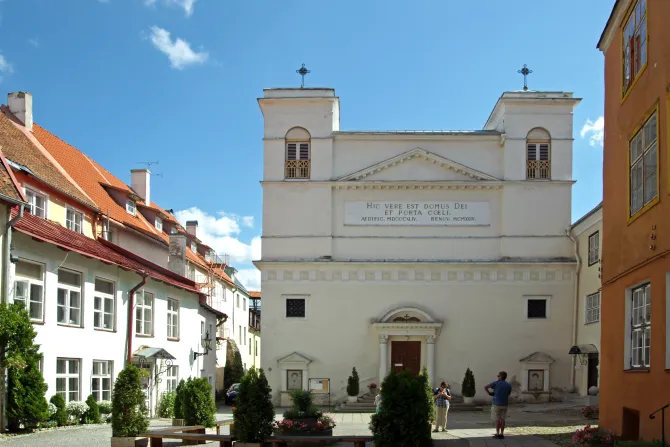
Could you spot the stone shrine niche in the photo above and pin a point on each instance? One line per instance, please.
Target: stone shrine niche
(536, 380)
(535, 370)
(293, 379)
(294, 371)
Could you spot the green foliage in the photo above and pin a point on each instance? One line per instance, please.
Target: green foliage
(92, 415)
(166, 405)
(20, 356)
(429, 394)
(129, 411)
(404, 419)
(198, 403)
(234, 369)
(468, 388)
(105, 407)
(254, 413)
(353, 386)
(179, 400)
(61, 413)
(303, 406)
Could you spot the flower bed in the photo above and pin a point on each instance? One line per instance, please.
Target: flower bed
(323, 426)
(593, 435)
(590, 412)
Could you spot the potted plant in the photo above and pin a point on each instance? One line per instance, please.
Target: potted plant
(129, 410)
(198, 403)
(372, 388)
(353, 386)
(303, 418)
(591, 435)
(590, 412)
(178, 420)
(468, 388)
(254, 413)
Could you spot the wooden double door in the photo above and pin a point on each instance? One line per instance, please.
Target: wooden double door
(406, 355)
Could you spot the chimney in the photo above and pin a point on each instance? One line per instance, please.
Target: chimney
(21, 105)
(177, 259)
(192, 227)
(140, 182)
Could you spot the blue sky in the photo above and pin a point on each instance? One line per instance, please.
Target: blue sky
(176, 81)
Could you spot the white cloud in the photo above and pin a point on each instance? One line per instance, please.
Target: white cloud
(220, 231)
(5, 67)
(178, 51)
(35, 41)
(595, 131)
(250, 278)
(248, 221)
(186, 5)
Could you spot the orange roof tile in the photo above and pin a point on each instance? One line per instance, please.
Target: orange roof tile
(255, 295)
(9, 187)
(21, 147)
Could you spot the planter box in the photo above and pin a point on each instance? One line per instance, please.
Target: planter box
(129, 442)
(300, 433)
(246, 444)
(178, 422)
(352, 399)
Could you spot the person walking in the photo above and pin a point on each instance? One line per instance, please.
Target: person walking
(378, 401)
(500, 390)
(442, 398)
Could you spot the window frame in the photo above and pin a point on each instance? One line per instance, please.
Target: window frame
(644, 327)
(171, 380)
(547, 310)
(295, 297)
(103, 296)
(158, 223)
(75, 212)
(69, 289)
(28, 190)
(173, 314)
(625, 59)
(588, 306)
(594, 251)
(31, 282)
(639, 129)
(131, 207)
(67, 376)
(101, 378)
(143, 308)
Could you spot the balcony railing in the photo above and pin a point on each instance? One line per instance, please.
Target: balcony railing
(538, 169)
(296, 169)
(653, 416)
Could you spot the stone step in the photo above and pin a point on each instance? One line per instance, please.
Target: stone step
(359, 407)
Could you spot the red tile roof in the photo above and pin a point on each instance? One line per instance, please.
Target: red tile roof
(9, 187)
(255, 295)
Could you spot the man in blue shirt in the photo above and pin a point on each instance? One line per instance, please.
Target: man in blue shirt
(501, 391)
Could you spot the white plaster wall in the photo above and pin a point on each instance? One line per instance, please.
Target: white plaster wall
(88, 344)
(484, 324)
(140, 245)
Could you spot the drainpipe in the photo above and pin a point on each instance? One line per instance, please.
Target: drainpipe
(4, 293)
(131, 306)
(575, 299)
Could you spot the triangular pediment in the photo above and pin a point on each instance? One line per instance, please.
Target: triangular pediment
(537, 357)
(418, 165)
(294, 357)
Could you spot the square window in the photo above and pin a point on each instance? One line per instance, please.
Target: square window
(37, 203)
(643, 165)
(172, 378)
(592, 311)
(640, 326)
(537, 308)
(103, 305)
(131, 207)
(173, 319)
(295, 307)
(159, 224)
(73, 220)
(634, 45)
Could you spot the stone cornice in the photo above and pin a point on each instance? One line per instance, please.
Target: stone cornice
(428, 185)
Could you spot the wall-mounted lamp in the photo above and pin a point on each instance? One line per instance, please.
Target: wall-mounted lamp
(206, 345)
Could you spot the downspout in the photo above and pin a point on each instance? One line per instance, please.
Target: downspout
(575, 299)
(131, 306)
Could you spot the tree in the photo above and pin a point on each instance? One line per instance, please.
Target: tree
(129, 409)
(405, 416)
(234, 370)
(254, 414)
(353, 386)
(468, 388)
(198, 404)
(179, 400)
(20, 356)
(429, 394)
(92, 415)
(61, 410)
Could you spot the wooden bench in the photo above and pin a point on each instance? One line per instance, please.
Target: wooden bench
(156, 438)
(282, 441)
(223, 423)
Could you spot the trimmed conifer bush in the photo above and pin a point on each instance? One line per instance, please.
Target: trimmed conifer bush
(166, 405)
(429, 395)
(254, 413)
(468, 388)
(92, 415)
(198, 403)
(179, 400)
(60, 416)
(353, 386)
(405, 416)
(129, 410)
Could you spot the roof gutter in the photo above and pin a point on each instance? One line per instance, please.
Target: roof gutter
(131, 306)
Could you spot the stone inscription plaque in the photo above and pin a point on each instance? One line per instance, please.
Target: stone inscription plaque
(404, 213)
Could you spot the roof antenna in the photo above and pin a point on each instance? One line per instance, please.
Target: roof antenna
(148, 163)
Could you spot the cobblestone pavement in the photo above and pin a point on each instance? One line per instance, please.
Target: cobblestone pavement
(549, 428)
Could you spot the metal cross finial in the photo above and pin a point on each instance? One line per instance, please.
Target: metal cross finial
(525, 72)
(302, 72)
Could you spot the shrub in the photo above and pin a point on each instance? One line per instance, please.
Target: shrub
(179, 400)
(234, 369)
(468, 388)
(166, 405)
(590, 412)
(303, 406)
(129, 411)
(429, 395)
(254, 413)
(105, 406)
(404, 419)
(353, 384)
(198, 403)
(92, 415)
(591, 436)
(60, 416)
(76, 410)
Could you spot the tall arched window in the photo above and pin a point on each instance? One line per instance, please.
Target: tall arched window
(538, 154)
(297, 154)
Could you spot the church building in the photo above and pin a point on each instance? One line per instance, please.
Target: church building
(408, 249)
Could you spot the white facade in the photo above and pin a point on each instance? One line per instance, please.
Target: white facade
(375, 238)
(73, 346)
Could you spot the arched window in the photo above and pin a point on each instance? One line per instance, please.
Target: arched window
(538, 154)
(297, 154)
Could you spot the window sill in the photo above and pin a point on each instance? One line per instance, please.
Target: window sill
(71, 325)
(173, 339)
(591, 322)
(144, 336)
(591, 264)
(643, 210)
(637, 370)
(40, 322)
(100, 329)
